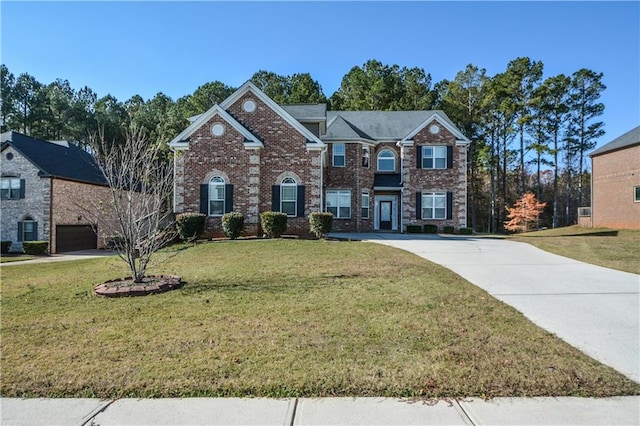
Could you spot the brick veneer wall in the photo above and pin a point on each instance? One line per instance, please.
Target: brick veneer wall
(615, 174)
(436, 180)
(77, 203)
(355, 178)
(35, 204)
(252, 172)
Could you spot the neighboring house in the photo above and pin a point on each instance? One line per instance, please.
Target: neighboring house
(615, 181)
(46, 189)
(374, 170)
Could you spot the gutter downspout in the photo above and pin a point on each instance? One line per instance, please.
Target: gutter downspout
(51, 227)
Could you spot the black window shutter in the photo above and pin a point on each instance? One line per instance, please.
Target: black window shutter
(418, 205)
(419, 156)
(300, 201)
(275, 198)
(449, 205)
(449, 157)
(204, 199)
(228, 198)
(22, 191)
(35, 231)
(19, 231)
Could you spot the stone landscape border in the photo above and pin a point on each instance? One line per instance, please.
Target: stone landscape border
(156, 284)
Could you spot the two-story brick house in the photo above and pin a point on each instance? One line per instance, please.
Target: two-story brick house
(47, 192)
(374, 170)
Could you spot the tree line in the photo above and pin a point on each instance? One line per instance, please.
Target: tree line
(528, 133)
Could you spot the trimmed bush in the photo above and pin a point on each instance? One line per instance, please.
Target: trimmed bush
(190, 225)
(466, 231)
(448, 229)
(274, 224)
(35, 247)
(414, 229)
(233, 224)
(431, 229)
(5, 246)
(321, 223)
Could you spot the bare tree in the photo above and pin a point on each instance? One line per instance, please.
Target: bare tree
(138, 214)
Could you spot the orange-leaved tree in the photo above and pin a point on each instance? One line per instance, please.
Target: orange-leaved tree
(524, 213)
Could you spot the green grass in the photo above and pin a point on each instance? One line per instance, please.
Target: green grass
(617, 249)
(281, 318)
(6, 258)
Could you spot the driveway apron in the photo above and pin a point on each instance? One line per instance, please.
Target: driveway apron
(595, 309)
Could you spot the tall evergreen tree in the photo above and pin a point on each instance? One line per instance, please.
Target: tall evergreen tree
(7, 83)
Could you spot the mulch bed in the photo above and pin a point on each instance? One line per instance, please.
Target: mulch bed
(124, 287)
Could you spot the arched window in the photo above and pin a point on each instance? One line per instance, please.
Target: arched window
(386, 161)
(216, 196)
(288, 196)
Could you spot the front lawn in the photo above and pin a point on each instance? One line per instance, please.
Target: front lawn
(281, 318)
(617, 249)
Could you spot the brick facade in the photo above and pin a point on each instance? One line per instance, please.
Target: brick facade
(35, 204)
(615, 175)
(253, 170)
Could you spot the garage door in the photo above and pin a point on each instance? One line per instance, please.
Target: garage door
(75, 237)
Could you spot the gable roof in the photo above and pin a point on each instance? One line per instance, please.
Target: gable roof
(182, 140)
(55, 159)
(390, 126)
(632, 137)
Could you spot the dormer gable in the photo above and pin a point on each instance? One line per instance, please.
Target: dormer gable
(441, 118)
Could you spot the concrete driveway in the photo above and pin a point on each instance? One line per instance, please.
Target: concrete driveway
(595, 309)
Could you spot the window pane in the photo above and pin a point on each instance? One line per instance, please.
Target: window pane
(441, 163)
(365, 213)
(637, 190)
(345, 199)
(332, 199)
(289, 207)
(216, 207)
(440, 213)
(427, 201)
(386, 165)
(288, 193)
(427, 151)
(426, 213)
(345, 212)
(338, 161)
(441, 151)
(427, 163)
(333, 210)
(338, 148)
(441, 202)
(6, 183)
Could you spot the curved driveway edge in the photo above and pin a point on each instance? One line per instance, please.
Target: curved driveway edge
(594, 309)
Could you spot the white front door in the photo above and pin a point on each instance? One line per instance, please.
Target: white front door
(386, 213)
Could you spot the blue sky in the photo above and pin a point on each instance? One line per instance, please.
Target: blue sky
(128, 48)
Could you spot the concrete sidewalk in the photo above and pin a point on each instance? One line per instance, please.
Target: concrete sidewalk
(321, 411)
(594, 309)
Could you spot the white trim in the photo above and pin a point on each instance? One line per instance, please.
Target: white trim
(250, 87)
(338, 206)
(181, 140)
(395, 211)
(442, 120)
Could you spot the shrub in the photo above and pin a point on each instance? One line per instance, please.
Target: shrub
(414, 229)
(448, 229)
(466, 231)
(321, 223)
(5, 246)
(190, 225)
(431, 229)
(233, 224)
(35, 247)
(113, 242)
(274, 224)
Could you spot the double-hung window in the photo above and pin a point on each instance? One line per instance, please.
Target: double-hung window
(364, 205)
(216, 196)
(434, 205)
(10, 188)
(434, 157)
(339, 203)
(288, 196)
(338, 155)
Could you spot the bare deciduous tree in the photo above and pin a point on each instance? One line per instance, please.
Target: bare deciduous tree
(138, 215)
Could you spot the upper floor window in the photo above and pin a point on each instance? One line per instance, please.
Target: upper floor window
(289, 196)
(11, 188)
(365, 156)
(386, 161)
(338, 155)
(434, 157)
(216, 196)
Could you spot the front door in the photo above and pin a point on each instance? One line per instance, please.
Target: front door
(385, 215)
